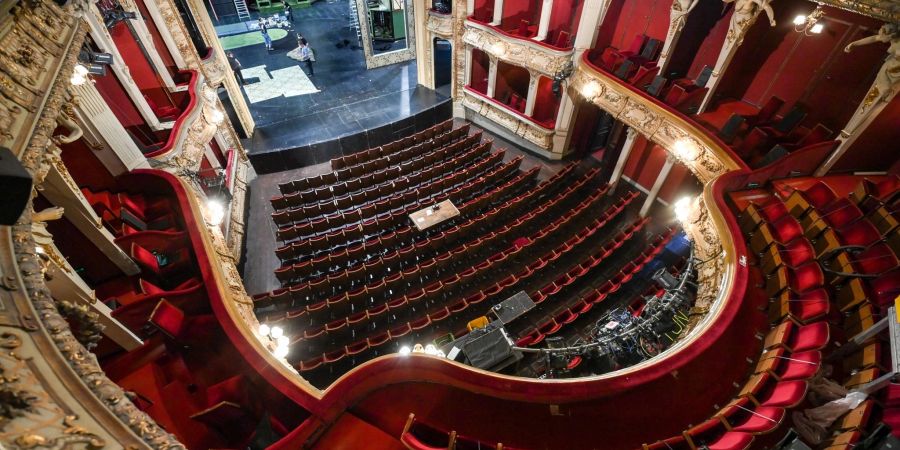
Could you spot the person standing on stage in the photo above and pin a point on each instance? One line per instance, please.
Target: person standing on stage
(236, 67)
(289, 12)
(306, 54)
(265, 33)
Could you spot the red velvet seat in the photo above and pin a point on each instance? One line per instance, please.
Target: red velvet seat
(799, 338)
(804, 308)
(742, 416)
(799, 279)
(163, 113)
(713, 435)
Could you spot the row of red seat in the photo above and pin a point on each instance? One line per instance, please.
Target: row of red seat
(788, 274)
(332, 177)
(398, 221)
(586, 302)
(385, 246)
(364, 218)
(395, 259)
(393, 201)
(427, 156)
(503, 271)
(129, 213)
(393, 147)
(423, 272)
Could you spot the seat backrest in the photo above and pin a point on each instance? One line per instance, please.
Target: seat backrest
(637, 43)
(168, 318)
(791, 119)
(656, 86)
(769, 109)
(624, 70)
(703, 76)
(650, 49)
(731, 127)
(818, 134)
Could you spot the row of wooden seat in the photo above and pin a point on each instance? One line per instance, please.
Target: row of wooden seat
(423, 271)
(394, 220)
(421, 157)
(486, 280)
(568, 313)
(390, 148)
(362, 219)
(393, 201)
(389, 257)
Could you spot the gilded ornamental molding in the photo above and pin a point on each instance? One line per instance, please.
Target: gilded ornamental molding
(536, 134)
(886, 10)
(439, 24)
(521, 52)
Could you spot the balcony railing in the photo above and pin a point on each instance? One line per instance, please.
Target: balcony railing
(191, 112)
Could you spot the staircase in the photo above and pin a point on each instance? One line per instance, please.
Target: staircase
(354, 21)
(242, 11)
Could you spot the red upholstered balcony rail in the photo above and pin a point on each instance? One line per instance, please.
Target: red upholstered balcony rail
(180, 127)
(522, 38)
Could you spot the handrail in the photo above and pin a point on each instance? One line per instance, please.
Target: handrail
(180, 128)
(472, 20)
(509, 109)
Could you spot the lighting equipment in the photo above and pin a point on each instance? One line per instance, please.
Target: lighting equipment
(111, 17)
(665, 279)
(808, 25)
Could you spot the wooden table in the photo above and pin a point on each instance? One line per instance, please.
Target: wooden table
(433, 215)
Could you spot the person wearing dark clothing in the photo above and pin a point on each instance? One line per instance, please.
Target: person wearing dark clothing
(236, 67)
(289, 12)
(306, 54)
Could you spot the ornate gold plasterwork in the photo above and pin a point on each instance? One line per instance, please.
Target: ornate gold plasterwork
(520, 52)
(885, 10)
(439, 24)
(657, 124)
(540, 136)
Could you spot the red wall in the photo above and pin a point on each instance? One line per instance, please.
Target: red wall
(84, 166)
(158, 42)
(626, 19)
(478, 80)
(644, 162)
(680, 183)
(142, 72)
(812, 70)
(511, 79)
(565, 17)
(700, 41)
(876, 148)
(546, 104)
(515, 11)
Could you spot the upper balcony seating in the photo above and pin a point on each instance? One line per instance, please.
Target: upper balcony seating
(803, 328)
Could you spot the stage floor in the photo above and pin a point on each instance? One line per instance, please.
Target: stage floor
(293, 109)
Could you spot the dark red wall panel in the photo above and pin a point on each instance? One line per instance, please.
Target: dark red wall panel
(478, 79)
(142, 72)
(876, 148)
(158, 42)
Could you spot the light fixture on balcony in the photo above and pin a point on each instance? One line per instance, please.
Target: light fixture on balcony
(809, 24)
(682, 209)
(216, 116)
(590, 90)
(79, 75)
(686, 150)
(498, 49)
(215, 212)
(276, 334)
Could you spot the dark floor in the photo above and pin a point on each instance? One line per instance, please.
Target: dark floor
(351, 98)
(260, 261)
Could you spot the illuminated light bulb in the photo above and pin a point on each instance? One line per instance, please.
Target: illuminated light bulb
(217, 116)
(686, 149)
(77, 80)
(277, 332)
(405, 350)
(799, 20)
(281, 352)
(39, 250)
(264, 330)
(216, 212)
(682, 209)
(591, 90)
(283, 341)
(441, 354)
(817, 28)
(418, 348)
(498, 49)
(431, 349)
(80, 70)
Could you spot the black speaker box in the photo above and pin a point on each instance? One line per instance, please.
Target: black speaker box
(15, 184)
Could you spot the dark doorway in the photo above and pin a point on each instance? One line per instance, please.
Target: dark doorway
(443, 59)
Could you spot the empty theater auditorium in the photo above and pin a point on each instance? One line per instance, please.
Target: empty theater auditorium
(450, 224)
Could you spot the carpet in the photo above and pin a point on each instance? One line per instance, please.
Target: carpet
(251, 38)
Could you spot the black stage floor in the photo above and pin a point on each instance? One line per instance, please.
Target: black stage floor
(297, 126)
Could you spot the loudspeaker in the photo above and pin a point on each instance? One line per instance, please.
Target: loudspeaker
(15, 183)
